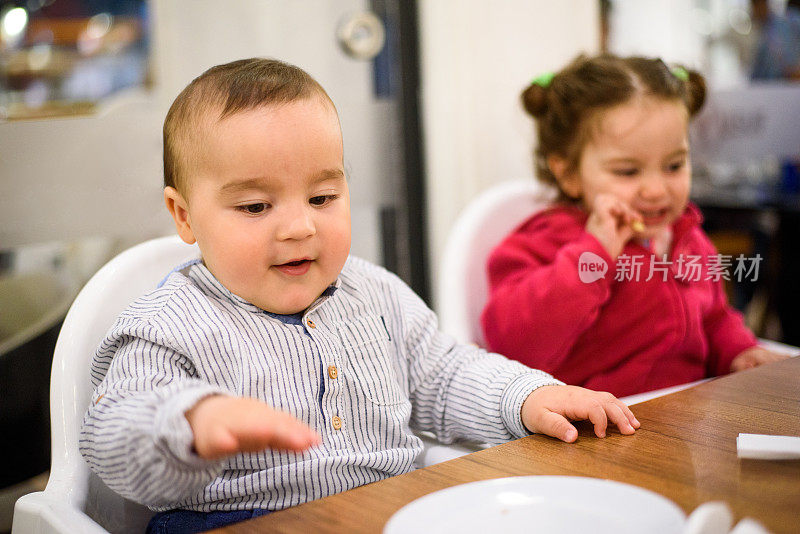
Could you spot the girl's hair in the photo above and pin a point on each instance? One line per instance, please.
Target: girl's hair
(564, 107)
(222, 91)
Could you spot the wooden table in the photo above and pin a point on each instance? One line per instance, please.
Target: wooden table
(685, 450)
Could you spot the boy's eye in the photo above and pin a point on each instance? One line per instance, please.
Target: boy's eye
(626, 172)
(321, 200)
(254, 209)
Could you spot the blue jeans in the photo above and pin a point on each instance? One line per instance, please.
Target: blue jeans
(189, 521)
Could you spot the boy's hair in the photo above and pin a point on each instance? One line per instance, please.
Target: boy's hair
(565, 108)
(225, 90)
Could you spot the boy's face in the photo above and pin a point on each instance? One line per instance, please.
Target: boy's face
(268, 203)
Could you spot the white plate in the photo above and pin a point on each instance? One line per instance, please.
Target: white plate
(551, 504)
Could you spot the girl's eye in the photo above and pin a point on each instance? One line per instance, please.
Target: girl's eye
(254, 209)
(321, 200)
(626, 172)
(676, 166)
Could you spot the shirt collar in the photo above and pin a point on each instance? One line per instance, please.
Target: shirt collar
(209, 284)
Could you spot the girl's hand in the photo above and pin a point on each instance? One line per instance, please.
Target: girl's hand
(611, 222)
(549, 409)
(753, 357)
(224, 426)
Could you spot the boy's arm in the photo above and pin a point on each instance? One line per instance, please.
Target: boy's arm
(460, 391)
(135, 435)
(157, 435)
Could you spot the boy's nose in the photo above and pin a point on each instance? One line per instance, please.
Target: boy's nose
(296, 224)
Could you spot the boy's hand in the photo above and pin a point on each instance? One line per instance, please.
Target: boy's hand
(549, 409)
(223, 426)
(611, 221)
(753, 357)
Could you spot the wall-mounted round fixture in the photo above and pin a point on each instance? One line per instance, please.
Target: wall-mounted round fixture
(361, 35)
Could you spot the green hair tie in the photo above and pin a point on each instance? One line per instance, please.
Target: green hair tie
(680, 73)
(543, 80)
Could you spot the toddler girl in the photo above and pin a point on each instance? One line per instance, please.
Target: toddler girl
(615, 286)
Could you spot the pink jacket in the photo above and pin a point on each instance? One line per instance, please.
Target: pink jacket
(623, 336)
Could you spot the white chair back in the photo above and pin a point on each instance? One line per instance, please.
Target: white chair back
(75, 500)
(462, 288)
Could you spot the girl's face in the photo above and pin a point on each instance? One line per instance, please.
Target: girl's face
(638, 152)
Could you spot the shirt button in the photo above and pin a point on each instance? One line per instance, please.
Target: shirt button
(311, 324)
(337, 423)
(333, 372)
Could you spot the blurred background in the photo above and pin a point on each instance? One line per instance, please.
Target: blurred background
(428, 96)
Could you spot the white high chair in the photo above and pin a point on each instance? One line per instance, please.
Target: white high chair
(463, 288)
(75, 499)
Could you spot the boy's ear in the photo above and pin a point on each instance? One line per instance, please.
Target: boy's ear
(568, 179)
(179, 209)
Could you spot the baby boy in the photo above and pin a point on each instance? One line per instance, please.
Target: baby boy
(276, 368)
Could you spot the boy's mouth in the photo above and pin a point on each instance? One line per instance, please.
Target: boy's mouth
(295, 267)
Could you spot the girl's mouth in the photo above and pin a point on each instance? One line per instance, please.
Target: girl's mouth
(654, 217)
(294, 268)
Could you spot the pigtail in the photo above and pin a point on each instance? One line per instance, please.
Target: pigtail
(692, 87)
(696, 89)
(534, 100)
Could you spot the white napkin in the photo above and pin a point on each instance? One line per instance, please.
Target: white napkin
(766, 447)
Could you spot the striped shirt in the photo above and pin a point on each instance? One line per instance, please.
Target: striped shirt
(363, 366)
